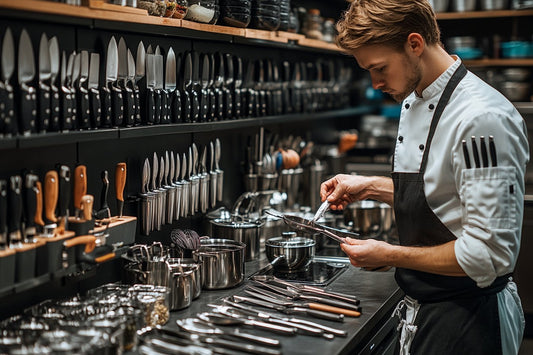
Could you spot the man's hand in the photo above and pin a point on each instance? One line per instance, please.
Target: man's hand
(369, 254)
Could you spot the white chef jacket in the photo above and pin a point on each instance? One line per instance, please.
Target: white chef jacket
(483, 208)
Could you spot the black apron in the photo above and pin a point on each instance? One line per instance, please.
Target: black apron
(456, 316)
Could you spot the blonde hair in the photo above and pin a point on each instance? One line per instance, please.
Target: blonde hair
(387, 22)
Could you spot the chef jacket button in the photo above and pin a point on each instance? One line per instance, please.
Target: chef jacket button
(400, 138)
(431, 106)
(421, 147)
(407, 106)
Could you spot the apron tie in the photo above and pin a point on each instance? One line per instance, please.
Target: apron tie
(408, 329)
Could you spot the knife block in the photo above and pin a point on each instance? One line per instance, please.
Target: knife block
(7, 265)
(80, 226)
(120, 230)
(49, 258)
(25, 260)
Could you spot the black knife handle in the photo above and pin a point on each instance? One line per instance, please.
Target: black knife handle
(492, 149)
(43, 104)
(165, 100)
(14, 200)
(186, 106)
(105, 190)
(137, 103)
(129, 106)
(63, 173)
(27, 109)
(204, 104)
(105, 97)
(212, 105)
(287, 108)
(95, 108)
(30, 200)
(83, 108)
(175, 106)
(67, 115)
(484, 153)
(8, 124)
(325, 315)
(150, 106)
(55, 110)
(73, 107)
(117, 108)
(228, 104)
(157, 106)
(195, 106)
(237, 105)
(219, 105)
(3, 212)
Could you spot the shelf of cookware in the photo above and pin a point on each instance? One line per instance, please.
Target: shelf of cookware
(508, 62)
(100, 18)
(482, 14)
(58, 138)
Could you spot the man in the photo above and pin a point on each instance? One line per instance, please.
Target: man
(459, 224)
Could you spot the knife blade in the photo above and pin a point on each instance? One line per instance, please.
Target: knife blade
(140, 65)
(54, 120)
(80, 188)
(104, 211)
(130, 108)
(3, 214)
(188, 96)
(82, 92)
(8, 122)
(150, 90)
(94, 93)
(122, 83)
(14, 211)
(45, 74)
(120, 182)
(63, 173)
(51, 191)
(28, 95)
(173, 97)
(160, 92)
(110, 76)
(66, 97)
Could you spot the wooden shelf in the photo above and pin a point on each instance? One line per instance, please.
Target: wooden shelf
(507, 62)
(482, 14)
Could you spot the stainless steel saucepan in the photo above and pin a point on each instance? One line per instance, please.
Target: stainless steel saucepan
(290, 253)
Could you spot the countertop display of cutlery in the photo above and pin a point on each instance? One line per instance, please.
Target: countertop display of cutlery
(480, 154)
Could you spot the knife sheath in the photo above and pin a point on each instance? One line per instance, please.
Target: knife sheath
(43, 103)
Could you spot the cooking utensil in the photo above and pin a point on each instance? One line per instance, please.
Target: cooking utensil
(104, 211)
(219, 319)
(63, 173)
(26, 74)
(186, 191)
(95, 104)
(8, 125)
(220, 172)
(492, 148)
(466, 155)
(223, 263)
(43, 100)
(177, 184)
(289, 253)
(242, 230)
(120, 182)
(321, 210)
(82, 91)
(169, 188)
(122, 83)
(364, 217)
(80, 187)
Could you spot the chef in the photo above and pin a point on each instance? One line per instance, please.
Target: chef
(458, 203)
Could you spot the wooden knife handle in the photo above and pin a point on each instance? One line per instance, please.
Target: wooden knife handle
(120, 180)
(39, 205)
(87, 202)
(331, 309)
(104, 258)
(51, 192)
(80, 185)
(88, 240)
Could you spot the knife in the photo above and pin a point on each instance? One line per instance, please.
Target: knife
(220, 173)
(237, 83)
(14, 211)
(94, 93)
(122, 77)
(151, 108)
(82, 92)
(26, 74)
(3, 214)
(120, 182)
(117, 113)
(104, 211)
(189, 97)
(169, 189)
(63, 173)
(173, 96)
(160, 93)
(211, 90)
(66, 97)
(51, 191)
(54, 104)
(213, 176)
(8, 122)
(131, 110)
(178, 188)
(71, 76)
(39, 205)
(87, 202)
(250, 100)
(228, 82)
(30, 206)
(45, 74)
(186, 190)
(80, 187)
(140, 65)
(204, 94)
(194, 87)
(105, 90)
(162, 192)
(218, 61)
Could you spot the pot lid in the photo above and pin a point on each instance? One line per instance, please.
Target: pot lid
(294, 242)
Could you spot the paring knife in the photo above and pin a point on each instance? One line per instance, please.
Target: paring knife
(43, 101)
(80, 187)
(120, 182)
(3, 214)
(54, 122)
(28, 96)
(94, 93)
(14, 211)
(30, 206)
(82, 92)
(51, 192)
(104, 211)
(8, 122)
(122, 83)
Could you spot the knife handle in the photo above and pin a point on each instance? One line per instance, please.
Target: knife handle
(137, 105)
(185, 106)
(105, 97)
(120, 180)
(175, 106)
(73, 108)
(66, 109)
(80, 185)
(14, 199)
(150, 106)
(219, 104)
(332, 309)
(83, 108)
(237, 106)
(27, 110)
(323, 315)
(39, 204)
(3, 212)
(203, 105)
(164, 107)
(105, 190)
(86, 206)
(117, 108)
(55, 110)
(269, 102)
(195, 106)
(228, 104)
(212, 105)
(30, 200)
(157, 106)
(95, 108)
(63, 173)
(10, 122)
(43, 104)
(129, 106)
(51, 192)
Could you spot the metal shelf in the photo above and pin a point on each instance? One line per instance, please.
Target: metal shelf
(507, 62)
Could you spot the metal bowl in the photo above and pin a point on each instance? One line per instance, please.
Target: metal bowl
(516, 74)
(516, 91)
(289, 253)
(364, 217)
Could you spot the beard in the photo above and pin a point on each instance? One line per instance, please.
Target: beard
(413, 78)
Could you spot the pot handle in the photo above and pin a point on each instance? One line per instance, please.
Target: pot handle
(208, 254)
(243, 197)
(277, 259)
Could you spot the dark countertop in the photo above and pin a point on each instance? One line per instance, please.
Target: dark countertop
(377, 291)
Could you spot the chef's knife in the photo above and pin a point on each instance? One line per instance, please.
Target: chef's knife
(173, 95)
(105, 90)
(43, 101)
(3, 214)
(14, 211)
(8, 122)
(80, 187)
(188, 96)
(228, 86)
(120, 182)
(122, 83)
(140, 66)
(117, 114)
(26, 74)
(82, 92)
(66, 97)
(54, 121)
(104, 211)
(63, 173)
(237, 83)
(150, 103)
(94, 93)
(30, 206)
(160, 93)
(51, 191)
(204, 95)
(130, 110)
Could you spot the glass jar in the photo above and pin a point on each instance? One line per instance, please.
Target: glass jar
(313, 24)
(328, 30)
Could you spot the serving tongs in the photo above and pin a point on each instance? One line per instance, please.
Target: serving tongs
(307, 225)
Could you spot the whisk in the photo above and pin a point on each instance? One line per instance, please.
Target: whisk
(185, 239)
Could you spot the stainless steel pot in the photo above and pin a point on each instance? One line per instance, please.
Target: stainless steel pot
(222, 263)
(290, 253)
(439, 5)
(242, 230)
(364, 217)
(189, 264)
(494, 4)
(463, 5)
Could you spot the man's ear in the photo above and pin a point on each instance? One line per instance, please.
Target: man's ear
(415, 44)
